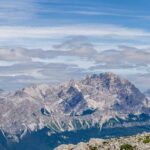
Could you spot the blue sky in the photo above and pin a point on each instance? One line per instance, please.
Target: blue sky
(38, 37)
(46, 14)
(61, 12)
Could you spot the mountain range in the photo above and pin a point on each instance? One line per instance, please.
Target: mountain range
(44, 115)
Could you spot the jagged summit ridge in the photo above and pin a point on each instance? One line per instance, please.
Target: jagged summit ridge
(72, 106)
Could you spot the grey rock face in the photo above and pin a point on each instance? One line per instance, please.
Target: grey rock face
(72, 106)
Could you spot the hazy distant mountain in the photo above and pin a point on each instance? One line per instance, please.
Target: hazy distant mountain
(98, 101)
(147, 93)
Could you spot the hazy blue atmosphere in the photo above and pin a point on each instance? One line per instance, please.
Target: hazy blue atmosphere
(51, 41)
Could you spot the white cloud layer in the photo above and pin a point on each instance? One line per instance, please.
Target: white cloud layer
(74, 30)
(21, 66)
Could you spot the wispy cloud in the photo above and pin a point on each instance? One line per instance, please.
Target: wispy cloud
(14, 12)
(74, 30)
(103, 35)
(70, 59)
(102, 13)
(13, 54)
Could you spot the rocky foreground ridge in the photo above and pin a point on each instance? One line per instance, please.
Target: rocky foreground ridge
(138, 142)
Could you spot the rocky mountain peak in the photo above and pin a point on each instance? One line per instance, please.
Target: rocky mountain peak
(106, 78)
(71, 106)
